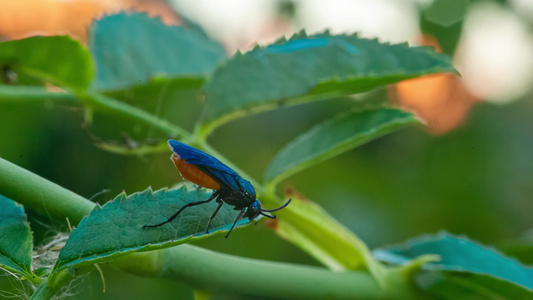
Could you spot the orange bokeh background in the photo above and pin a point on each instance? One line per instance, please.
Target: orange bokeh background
(19, 19)
(442, 100)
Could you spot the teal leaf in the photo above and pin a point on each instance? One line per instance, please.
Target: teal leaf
(57, 59)
(312, 68)
(15, 238)
(129, 49)
(334, 137)
(467, 270)
(116, 228)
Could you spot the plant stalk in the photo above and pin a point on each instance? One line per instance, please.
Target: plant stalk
(214, 271)
(42, 195)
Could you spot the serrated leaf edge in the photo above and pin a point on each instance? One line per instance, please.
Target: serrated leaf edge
(151, 246)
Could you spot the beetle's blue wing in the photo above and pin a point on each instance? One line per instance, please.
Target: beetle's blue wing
(194, 156)
(211, 166)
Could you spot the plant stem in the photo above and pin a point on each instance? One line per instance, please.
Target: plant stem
(41, 195)
(93, 101)
(105, 104)
(49, 287)
(221, 272)
(33, 94)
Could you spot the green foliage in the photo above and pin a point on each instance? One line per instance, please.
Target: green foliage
(116, 228)
(334, 137)
(129, 49)
(466, 269)
(307, 68)
(146, 73)
(520, 248)
(57, 59)
(15, 239)
(155, 67)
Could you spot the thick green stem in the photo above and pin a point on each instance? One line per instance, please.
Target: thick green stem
(43, 292)
(41, 195)
(19, 95)
(221, 272)
(50, 286)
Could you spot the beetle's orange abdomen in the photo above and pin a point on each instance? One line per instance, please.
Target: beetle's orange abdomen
(193, 174)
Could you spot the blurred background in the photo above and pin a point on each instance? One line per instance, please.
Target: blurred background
(469, 172)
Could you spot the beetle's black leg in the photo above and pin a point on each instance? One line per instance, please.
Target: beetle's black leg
(213, 196)
(236, 220)
(220, 202)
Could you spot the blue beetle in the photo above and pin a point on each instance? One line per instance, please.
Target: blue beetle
(229, 187)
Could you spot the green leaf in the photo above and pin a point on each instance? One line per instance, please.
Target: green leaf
(15, 238)
(467, 270)
(57, 59)
(334, 137)
(116, 228)
(129, 49)
(311, 68)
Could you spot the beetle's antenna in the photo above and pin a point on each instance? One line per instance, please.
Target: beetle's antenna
(267, 215)
(276, 209)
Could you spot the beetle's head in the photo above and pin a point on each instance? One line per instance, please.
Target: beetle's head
(255, 210)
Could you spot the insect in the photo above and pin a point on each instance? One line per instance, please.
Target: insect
(229, 187)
